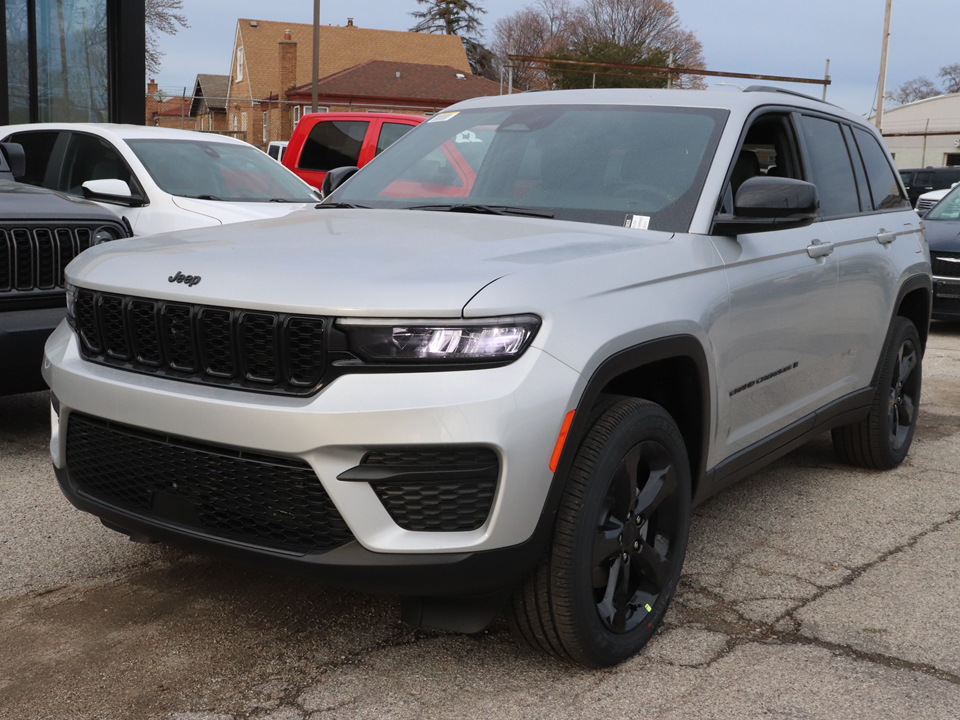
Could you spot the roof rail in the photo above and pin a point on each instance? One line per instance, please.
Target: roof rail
(772, 89)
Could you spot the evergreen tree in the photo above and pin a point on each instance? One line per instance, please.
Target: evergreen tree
(448, 17)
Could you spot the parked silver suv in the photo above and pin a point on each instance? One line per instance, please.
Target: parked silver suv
(500, 364)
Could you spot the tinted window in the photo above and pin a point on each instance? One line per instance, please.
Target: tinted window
(830, 167)
(37, 149)
(946, 209)
(883, 181)
(907, 177)
(234, 172)
(390, 133)
(333, 144)
(90, 158)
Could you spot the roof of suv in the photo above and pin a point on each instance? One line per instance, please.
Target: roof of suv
(742, 102)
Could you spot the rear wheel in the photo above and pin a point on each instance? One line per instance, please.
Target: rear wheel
(619, 541)
(883, 438)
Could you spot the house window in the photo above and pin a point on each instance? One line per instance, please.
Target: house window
(264, 137)
(236, 123)
(240, 63)
(243, 121)
(296, 114)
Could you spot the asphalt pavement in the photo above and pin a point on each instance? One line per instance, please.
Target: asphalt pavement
(811, 590)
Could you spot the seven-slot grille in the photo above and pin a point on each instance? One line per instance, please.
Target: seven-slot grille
(269, 501)
(33, 258)
(243, 349)
(924, 205)
(945, 264)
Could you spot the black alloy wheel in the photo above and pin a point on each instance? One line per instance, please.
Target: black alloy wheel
(619, 541)
(882, 439)
(636, 537)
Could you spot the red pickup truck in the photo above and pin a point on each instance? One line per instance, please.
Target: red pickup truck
(323, 141)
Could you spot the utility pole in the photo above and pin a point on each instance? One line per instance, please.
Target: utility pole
(826, 80)
(882, 87)
(316, 54)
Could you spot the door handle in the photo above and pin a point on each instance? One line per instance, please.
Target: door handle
(818, 249)
(885, 238)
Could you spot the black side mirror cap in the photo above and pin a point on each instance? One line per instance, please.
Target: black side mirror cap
(337, 177)
(15, 157)
(770, 203)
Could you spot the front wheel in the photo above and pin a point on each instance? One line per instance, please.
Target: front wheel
(883, 438)
(619, 541)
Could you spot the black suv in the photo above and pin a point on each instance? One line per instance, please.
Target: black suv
(922, 180)
(40, 232)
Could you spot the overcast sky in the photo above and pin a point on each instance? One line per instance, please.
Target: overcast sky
(766, 37)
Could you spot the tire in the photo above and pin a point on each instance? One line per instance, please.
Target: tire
(605, 585)
(882, 439)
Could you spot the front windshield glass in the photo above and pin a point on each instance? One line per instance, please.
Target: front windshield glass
(635, 166)
(948, 208)
(219, 171)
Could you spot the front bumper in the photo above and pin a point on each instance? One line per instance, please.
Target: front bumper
(946, 298)
(516, 411)
(22, 335)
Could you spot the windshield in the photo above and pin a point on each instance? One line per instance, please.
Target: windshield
(948, 208)
(634, 166)
(219, 171)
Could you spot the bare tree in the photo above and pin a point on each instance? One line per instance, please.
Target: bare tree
(162, 16)
(643, 31)
(919, 88)
(951, 78)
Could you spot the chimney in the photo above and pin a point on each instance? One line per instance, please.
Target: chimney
(152, 87)
(349, 22)
(288, 79)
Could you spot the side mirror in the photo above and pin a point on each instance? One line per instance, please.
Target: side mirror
(337, 177)
(111, 190)
(13, 154)
(770, 203)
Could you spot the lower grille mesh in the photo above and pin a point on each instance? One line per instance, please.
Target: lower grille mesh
(272, 502)
(443, 504)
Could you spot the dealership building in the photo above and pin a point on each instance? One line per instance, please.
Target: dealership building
(925, 133)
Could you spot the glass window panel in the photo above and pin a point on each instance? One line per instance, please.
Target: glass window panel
(883, 180)
(18, 71)
(831, 170)
(333, 144)
(72, 60)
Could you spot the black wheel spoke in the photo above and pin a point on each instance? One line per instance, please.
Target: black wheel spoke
(606, 544)
(625, 482)
(907, 410)
(661, 484)
(908, 362)
(647, 562)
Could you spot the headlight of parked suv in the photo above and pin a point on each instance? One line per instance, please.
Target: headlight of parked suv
(456, 341)
(71, 305)
(105, 234)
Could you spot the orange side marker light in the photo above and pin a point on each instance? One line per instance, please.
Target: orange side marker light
(561, 440)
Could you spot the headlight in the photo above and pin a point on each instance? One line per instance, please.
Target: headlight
(105, 234)
(71, 305)
(457, 341)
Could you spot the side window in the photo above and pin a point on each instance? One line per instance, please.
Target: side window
(863, 188)
(333, 144)
(390, 133)
(90, 158)
(883, 181)
(830, 167)
(768, 149)
(37, 149)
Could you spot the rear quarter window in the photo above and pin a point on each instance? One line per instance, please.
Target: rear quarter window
(883, 180)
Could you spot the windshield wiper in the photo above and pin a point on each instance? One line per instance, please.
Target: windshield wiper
(485, 209)
(204, 197)
(350, 206)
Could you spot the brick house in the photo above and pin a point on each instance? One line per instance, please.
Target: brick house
(209, 106)
(164, 111)
(382, 86)
(270, 58)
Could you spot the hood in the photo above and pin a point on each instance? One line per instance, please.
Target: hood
(942, 235)
(231, 212)
(377, 263)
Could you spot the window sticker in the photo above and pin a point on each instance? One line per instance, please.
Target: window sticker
(443, 117)
(637, 222)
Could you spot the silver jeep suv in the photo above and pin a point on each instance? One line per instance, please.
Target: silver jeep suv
(498, 366)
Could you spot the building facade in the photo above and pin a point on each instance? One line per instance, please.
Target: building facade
(925, 133)
(72, 61)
